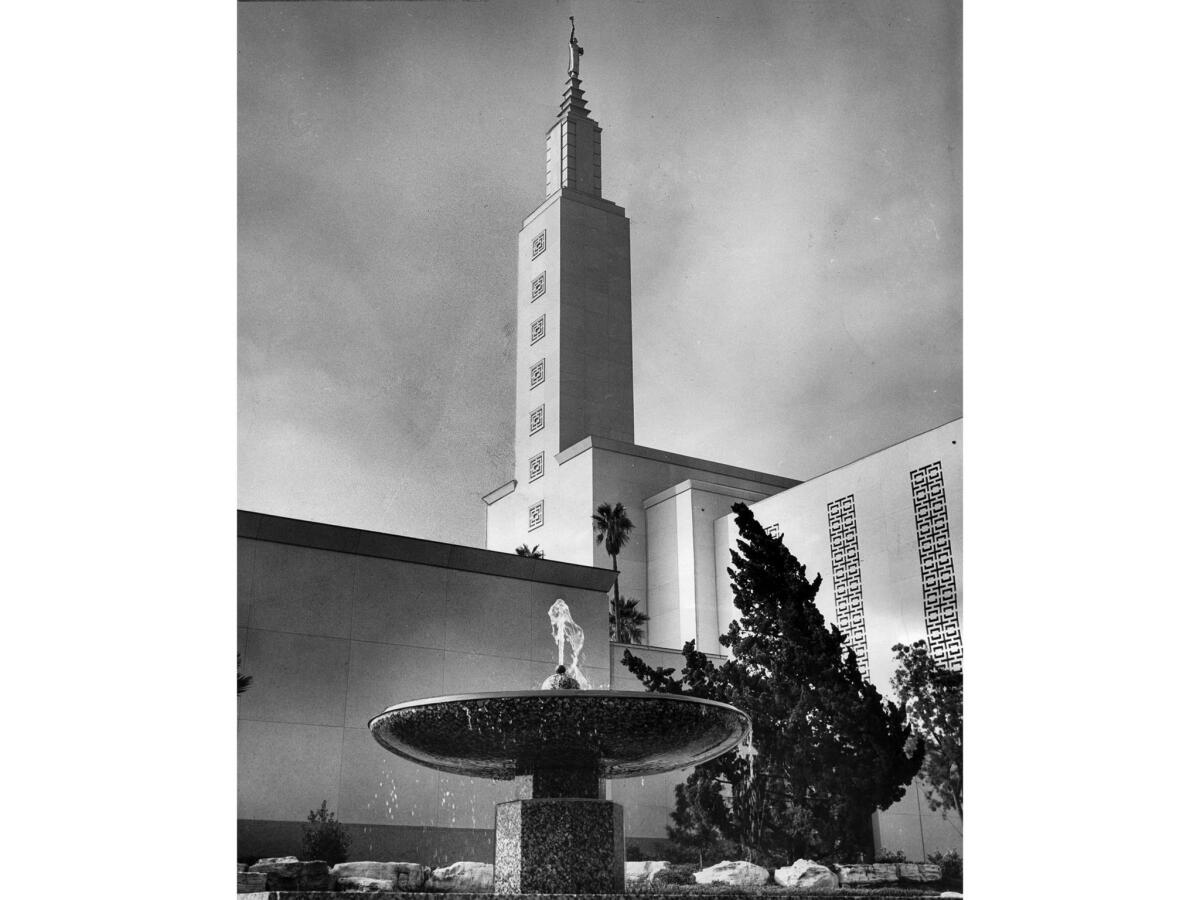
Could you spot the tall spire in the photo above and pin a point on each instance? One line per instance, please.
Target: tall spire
(573, 142)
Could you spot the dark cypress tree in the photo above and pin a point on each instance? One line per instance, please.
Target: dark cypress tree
(829, 750)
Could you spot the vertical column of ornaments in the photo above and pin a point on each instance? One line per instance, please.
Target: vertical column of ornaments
(847, 578)
(537, 376)
(938, 588)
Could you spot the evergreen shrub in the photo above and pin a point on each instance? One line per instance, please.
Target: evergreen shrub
(325, 838)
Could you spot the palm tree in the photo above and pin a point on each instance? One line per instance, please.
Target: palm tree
(611, 527)
(627, 626)
(535, 552)
(243, 680)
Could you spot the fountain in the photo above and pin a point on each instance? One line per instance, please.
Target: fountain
(559, 743)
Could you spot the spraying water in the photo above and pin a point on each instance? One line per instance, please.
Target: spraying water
(565, 632)
(746, 749)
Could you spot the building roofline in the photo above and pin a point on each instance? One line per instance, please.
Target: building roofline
(578, 196)
(675, 651)
(693, 484)
(359, 542)
(883, 449)
(595, 442)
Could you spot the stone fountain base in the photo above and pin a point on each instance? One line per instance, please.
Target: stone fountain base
(559, 845)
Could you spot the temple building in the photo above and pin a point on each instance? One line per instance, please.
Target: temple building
(337, 624)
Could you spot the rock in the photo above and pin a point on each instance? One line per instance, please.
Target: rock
(860, 874)
(805, 875)
(242, 867)
(738, 872)
(286, 873)
(639, 874)
(395, 876)
(276, 861)
(375, 871)
(951, 895)
(411, 876)
(919, 872)
(251, 882)
(462, 878)
(353, 883)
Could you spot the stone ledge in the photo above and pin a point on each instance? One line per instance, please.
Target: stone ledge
(839, 894)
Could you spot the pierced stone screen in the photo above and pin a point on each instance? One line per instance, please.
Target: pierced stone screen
(847, 578)
(537, 330)
(536, 515)
(537, 466)
(539, 286)
(938, 587)
(537, 419)
(539, 245)
(537, 373)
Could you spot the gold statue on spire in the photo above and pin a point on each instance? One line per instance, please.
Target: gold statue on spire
(576, 52)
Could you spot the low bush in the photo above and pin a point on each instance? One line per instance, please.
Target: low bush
(325, 838)
(952, 869)
(680, 873)
(890, 856)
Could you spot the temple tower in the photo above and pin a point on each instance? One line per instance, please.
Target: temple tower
(573, 442)
(574, 337)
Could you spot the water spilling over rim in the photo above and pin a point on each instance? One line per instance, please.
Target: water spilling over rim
(618, 734)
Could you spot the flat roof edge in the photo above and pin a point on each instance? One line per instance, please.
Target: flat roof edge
(594, 442)
(693, 484)
(360, 542)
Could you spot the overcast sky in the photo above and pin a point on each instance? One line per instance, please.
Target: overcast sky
(792, 172)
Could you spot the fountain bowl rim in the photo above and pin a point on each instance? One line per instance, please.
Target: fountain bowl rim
(595, 692)
(620, 766)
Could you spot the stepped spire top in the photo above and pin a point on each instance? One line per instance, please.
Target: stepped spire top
(573, 141)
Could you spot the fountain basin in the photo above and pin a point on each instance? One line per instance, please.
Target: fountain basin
(610, 734)
(564, 838)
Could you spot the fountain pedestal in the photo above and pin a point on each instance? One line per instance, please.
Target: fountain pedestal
(565, 839)
(560, 845)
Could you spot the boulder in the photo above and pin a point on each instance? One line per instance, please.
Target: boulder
(921, 872)
(867, 874)
(286, 873)
(395, 876)
(640, 874)
(738, 872)
(805, 875)
(411, 876)
(251, 882)
(462, 878)
(350, 883)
